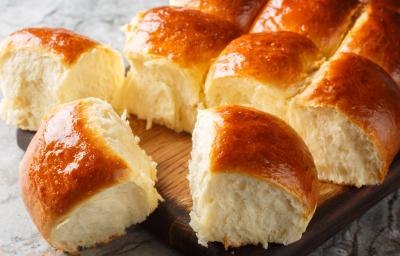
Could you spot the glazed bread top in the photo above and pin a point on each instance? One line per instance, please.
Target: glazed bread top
(325, 22)
(240, 12)
(183, 35)
(376, 35)
(260, 145)
(277, 58)
(65, 164)
(367, 95)
(390, 4)
(60, 41)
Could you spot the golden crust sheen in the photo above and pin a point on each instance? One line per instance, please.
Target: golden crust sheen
(390, 4)
(260, 145)
(323, 21)
(183, 35)
(278, 58)
(60, 41)
(65, 164)
(367, 95)
(378, 39)
(239, 12)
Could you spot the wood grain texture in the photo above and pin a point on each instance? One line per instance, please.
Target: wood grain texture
(338, 205)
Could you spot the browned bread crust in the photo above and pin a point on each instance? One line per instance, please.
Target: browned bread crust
(278, 58)
(325, 22)
(185, 36)
(377, 38)
(66, 43)
(240, 12)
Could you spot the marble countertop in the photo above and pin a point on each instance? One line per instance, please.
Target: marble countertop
(376, 233)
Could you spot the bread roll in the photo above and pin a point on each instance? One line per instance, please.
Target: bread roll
(84, 179)
(350, 119)
(325, 22)
(170, 50)
(376, 36)
(262, 70)
(240, 12)
(43, 67)
(252, 179)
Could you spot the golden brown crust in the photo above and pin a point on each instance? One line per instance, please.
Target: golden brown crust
(65, 164)
(390, 4)
(277, 58)
(239, 12)
(378, 39)
(183, 35)
(367, 95)
(260, 145)
(60, 41)
(323, 21)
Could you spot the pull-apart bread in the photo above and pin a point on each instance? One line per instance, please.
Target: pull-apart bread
(43, 67)
(352, 144)
(252, 178)
(272, 71)
(328, 68)
(84, 179)
(370, 28)
(169, 50)
(240, 12)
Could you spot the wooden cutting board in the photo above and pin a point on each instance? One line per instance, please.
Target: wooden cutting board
(337, 207)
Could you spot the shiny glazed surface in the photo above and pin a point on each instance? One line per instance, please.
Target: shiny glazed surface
(391, 4)
(239, 12)
(64, 165)
(260, 145)
(280, 58)
(365, 94)
(323, 21)
(378, 39)
(60, 41)
(183, 35)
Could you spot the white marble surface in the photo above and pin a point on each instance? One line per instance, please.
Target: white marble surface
(376, 233)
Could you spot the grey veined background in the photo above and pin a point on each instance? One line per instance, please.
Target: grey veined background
(375, 233)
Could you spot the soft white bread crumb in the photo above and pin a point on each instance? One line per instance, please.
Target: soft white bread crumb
(342, 152)
(246, 91)
(158, 89)
(98, 218)
(238, 210)
(34, 80)
(103, 217)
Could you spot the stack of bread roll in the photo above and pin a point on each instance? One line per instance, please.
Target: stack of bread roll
(279, 94)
